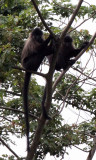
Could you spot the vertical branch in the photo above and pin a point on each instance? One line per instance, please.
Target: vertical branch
(37, 137)
(72, 18)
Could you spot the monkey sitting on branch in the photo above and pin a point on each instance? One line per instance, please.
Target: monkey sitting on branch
(34, 51)
(65, 53)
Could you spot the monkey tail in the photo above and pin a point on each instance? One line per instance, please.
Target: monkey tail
(43, 106)
(25, 101)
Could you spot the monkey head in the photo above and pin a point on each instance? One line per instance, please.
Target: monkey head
(68, 39)
(37, 35)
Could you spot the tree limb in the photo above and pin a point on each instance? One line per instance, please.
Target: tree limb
(10, 92)
(84, 74)
(16, 110)
(38, 73)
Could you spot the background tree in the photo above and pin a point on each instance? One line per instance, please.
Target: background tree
(17, 18)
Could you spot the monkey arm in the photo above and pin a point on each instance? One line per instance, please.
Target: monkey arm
(45, 48)
(77, 51)
(50, 49)
(45, 43)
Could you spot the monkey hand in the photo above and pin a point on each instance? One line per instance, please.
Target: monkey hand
(85, 44)
(51, 36)
(71, 62)
(68, 63)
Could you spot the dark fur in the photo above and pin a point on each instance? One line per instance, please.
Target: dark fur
(34, 51)
(66, 51)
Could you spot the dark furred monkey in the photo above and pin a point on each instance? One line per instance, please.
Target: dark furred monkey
(34, 51)
(66, 51)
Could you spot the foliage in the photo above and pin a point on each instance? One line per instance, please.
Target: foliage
(17, 18)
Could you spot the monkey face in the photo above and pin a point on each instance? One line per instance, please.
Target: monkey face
(39, 39)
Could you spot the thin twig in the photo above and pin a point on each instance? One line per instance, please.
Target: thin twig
(84, 74)
(10, 92)
(9, 149)
(82, 23)
(81, 149)
(80, 108)
(64, 97)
